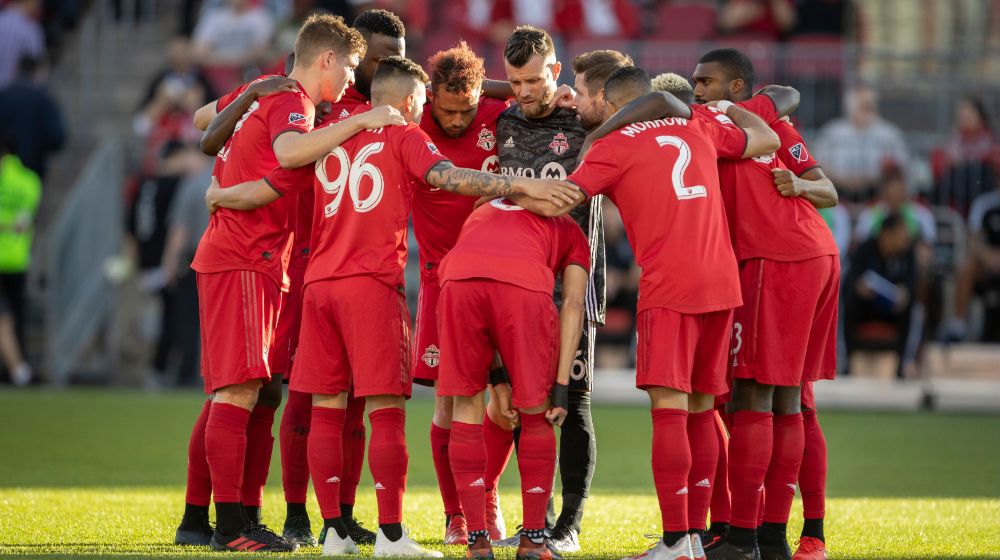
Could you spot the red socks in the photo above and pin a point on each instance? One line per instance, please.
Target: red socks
(225, 448)
(326, 463)
(499, 447)
(812, 475)
(260, 445)
(750, 448)
(442, 466)
(536, 461)
(387, 460)
(354, 449)
(783, 472)
(704, 445)
(293, 435)
(720, 488)
(468, 461)
(671, 466)
(199, 479)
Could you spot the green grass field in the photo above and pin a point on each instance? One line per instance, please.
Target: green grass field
(101, 474)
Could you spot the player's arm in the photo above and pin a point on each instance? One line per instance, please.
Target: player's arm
(785, 98)
(813, 186)
(295, 149)
(574, 285)
(469, 182)
(497, 89)
(653, 105)
(244, 196)
(222, 125)
(761, 140)
(203, 117)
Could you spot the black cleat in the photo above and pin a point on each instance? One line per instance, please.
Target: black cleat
(256, 538)
(728, 551)
(357, 531)
(298, 530)
(775, 551)
(711, 539)
(194, 536)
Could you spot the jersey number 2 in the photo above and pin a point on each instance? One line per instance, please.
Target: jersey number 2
(680, 166)
(350, 176)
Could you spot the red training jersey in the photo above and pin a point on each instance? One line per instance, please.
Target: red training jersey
(363, 196)
(438, 215)
(764, 224)
(257, 239)
(534, 249)
(351, 102)
(663, 177)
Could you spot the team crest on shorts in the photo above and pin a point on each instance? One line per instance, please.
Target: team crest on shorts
(432, 356)
(486, 139)
(799, 152)
(559, 145)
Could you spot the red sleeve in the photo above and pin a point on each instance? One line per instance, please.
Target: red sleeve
(793, 152)
(291, 181)
(217, 167)
(598, 172)
(762, 106)
(574, 247)
(228, 98)
(290, 112)
(417, 153)
(730, 140)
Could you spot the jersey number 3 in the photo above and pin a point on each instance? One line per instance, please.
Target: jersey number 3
(680, 166)
(350, 176)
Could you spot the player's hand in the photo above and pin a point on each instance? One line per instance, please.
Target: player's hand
(272, 85)
(503, 394)
(559, 193)
(380, 116)
(556, 415)
(211, 196)
(482, 200)
(787, 183)
(564, 97)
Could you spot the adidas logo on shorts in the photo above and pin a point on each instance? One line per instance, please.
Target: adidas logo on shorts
(333, 479)
(378, 486)
(536, 490)
(704, 483)
(478, 482)
(682, 491)
(792, 486)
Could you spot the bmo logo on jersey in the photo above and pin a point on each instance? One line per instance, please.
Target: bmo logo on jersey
(551, 170)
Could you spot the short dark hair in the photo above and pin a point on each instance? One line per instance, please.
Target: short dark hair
(382, 22)
(525, 42)
(392, 67)
(322, 32)
(630, 80)
(892, 221)
(736, 64)
(598, 66)
(457, 69)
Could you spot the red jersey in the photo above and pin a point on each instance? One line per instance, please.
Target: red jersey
(764, 224)
(438, 215)
(257, 239)
(363, 196)
(674, 219)
(533, 250)
(351, 102)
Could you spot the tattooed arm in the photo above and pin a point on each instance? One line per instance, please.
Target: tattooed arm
(470, 182)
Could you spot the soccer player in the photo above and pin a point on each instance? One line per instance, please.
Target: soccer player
(689, 279)
(354, 283)
(461, 122)
(538, 139)
(496, 296)
(780, 241)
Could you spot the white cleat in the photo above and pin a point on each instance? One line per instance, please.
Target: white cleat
(660, 551)
(333, 545)
(697, 551)
(404, 547)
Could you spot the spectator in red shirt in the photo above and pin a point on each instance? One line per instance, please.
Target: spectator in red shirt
(965, 166)
(770, 19)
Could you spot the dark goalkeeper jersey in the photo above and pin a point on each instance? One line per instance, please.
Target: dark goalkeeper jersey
(547, 148)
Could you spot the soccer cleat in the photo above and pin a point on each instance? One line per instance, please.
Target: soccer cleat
(357, 531)
(194, 536)
(697, 551)
(810, 549)
(456, 531)
(681, 550)
(711, 539)
(405, 547)
(564, 539)
(480, 550)
(530, 550)
(298, 530)
(510, 542)
(256, 538)
(333, 545)
(725, 550)
(775, 551)
(494, 517)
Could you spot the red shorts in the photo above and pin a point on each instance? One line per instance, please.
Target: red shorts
(786, 331)
(286, 334)
(683, 352)
(428, 345)
(238, 311)
(355, 336)
(478, 318)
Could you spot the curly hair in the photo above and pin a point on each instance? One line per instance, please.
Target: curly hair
(674, 84)
(322, 32)
(382, 22)
(458, 70)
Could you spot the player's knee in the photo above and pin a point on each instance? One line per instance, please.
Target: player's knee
(700, 402)
(243, 395)
(270, 393)
(787, 400)
(378, 402)
(469, 410)
(665, 397)
(748, 395)
(330, 401)
(444, 411)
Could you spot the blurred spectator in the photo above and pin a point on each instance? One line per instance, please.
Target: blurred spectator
(20, 191)
(232, 39)
(180, 75)
(895, 198)
(838, 219)
(20, 36)
(881, 283)
(31, 116)
(855, 149)
(965, 166)
(768, 20)
(574, 18)
(168, 116)
(821, 17)
(980, 274)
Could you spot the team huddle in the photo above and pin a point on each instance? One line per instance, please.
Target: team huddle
(301, 282)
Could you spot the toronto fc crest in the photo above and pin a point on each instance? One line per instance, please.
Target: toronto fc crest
(559, 144)
(487, 140)
(432, 356)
